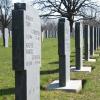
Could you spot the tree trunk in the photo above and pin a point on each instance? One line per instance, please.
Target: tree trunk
(71, 27)
(71, 21)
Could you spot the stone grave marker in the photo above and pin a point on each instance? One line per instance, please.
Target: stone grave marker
(87, 43)
(56, 35)
(64, 82)
(10, 33)
(6, 37)
(91, 40)
(79, 49)
(26, 47)
(79, 45)
(42, 35)
(99, 36)
(95, 38)
(47, 34)
(0, 33)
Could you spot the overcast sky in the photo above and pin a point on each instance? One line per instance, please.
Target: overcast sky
(14, 1)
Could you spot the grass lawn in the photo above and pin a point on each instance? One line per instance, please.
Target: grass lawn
(49, 72)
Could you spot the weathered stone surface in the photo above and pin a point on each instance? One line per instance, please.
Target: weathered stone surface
(99, 36)
(79, 44)
(6, 37)
(95, 38)
(91, 40)
(64, 82)
(0, 33)
(87, 41)
(64, 51)
(26, 42)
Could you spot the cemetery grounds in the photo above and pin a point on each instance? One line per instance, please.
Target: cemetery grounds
(49, 73)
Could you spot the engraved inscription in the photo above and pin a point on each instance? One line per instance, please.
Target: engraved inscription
(31, 43)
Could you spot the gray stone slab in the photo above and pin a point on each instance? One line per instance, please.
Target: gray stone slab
(42, 35)
(6, 37)
(95, 38)
(79, 44)
(99, 36)
(91, 40)
(87, 42)
(83, 69)
(64, 82)
(79, 48)
(91, 60)
(0, 33)
(26, 42)
(64, 51)
(47, 34)
(10, 33)
(71, 86)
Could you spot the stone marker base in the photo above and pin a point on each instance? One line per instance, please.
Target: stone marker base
(95, 55)
(82, 69)
(83, 59)
(90, 60)
(71, 86)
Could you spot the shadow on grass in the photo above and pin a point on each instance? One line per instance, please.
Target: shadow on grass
(73, 52)
(97, 52)
(49, 72)
(43, 88)
(56, 62)
(1, 45)
(83, 83)
(72, 56)
(72, 60)
(7, 91)
(93, 67)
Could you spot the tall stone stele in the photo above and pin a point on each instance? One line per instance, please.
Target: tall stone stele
(87, 44)
(64, 82)
(79, 45)
(26, 51)
(96, 37)
(91, 40)
(6, 37)
(79, 49)
(95, 46)
(0, 33)
(99, 36)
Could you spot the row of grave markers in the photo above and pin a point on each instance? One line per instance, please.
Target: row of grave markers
(26, 52)
(84, 34)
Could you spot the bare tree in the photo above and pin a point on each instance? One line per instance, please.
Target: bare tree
(5, 15)
(65, 8)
